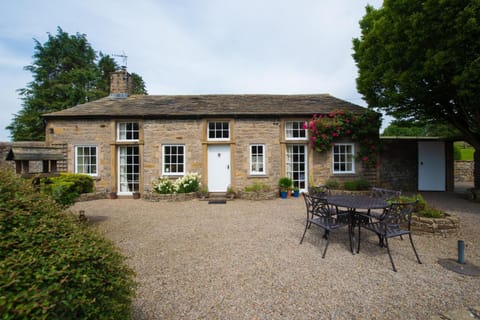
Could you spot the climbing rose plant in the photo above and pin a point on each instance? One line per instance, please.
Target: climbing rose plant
(361, 128)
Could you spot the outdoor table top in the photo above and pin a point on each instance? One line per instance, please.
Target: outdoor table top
(357, 202)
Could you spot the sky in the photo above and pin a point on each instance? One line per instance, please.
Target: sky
(195, 46)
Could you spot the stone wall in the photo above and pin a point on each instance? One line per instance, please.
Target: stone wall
(463, 171)
(399, 165)
(100, 133)
(154, 133)
(438, 226)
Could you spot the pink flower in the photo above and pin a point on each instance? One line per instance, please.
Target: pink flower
(364, 158)
(334, 134)
(372, 147)
(314, 138)
(305, 126)
(348, 131)
(331, 115)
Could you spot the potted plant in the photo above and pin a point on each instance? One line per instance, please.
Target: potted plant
(296, 192)
(284, 184)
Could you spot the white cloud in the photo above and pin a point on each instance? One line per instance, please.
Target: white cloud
(188, 46)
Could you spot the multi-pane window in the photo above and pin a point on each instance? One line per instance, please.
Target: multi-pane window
(128, 169)
(173, 159)
(343, 158)
(296, 165)
(86, 160)
(294, 130)
(219, 130)
(257, 159)
(127, 131)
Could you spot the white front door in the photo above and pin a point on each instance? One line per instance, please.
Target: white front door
(431, 166)
(218, 168)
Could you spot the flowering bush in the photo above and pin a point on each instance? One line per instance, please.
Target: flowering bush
(186, 184)
(363, 128)
(163, 186)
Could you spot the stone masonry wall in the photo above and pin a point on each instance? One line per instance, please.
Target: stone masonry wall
(188, 132)
(257, 131)
(463, 171)
(160, 132)
(399, 165)
(86, 132)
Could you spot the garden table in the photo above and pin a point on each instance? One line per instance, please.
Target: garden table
(352, 203)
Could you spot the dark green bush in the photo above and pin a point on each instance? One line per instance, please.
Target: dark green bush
(355, 185)
(423, 209)
(67, 187)
(332, 184)
(52, 266)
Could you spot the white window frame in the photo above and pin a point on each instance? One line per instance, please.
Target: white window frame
(216, 130)
(289, 130)
(254, 163)
(184, 163)
(120, 130)
(351, 157)
(89, 165)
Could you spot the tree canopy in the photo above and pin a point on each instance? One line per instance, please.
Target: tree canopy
(420, 129)
(66, 71)
(420, 60)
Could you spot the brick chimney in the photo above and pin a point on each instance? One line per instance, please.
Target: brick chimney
(120, 84)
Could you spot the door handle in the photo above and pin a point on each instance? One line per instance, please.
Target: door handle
(228, 166)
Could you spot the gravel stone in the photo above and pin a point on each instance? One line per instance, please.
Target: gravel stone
(243, 260)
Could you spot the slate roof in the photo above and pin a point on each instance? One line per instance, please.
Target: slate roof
(198, 106)
(35, 153)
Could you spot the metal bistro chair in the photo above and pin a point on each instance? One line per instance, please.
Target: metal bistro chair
(385, 194)
(319, 191)
(395, 222)
(325, 216)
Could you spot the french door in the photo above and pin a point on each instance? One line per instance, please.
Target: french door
(296, 165)
(128, 170)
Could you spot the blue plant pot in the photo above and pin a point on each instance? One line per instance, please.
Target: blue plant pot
(296, 194)
(283, 194)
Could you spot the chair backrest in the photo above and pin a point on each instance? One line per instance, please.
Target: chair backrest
(316, 206)
(319, 190)
(386, 194)
(399, 214)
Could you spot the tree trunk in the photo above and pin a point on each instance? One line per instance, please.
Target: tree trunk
(476, 168)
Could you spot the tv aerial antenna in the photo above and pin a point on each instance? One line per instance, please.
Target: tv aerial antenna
(124, 59)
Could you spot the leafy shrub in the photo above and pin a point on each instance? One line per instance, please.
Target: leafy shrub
(52, 266)
(257, 187)
(186, 184)
(423, 209)
(67, 187)
(285, 183)
(358, 184)
(332, 184)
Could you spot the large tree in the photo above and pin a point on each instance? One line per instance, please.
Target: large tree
(420, 60)
(66, 71)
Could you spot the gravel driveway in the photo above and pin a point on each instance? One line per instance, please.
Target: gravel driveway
(242, 260)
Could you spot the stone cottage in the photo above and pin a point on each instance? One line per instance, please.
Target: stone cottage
(126, 142)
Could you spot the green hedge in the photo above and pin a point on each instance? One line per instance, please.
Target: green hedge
(67, 187)
(358, 184)
(52, 266)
